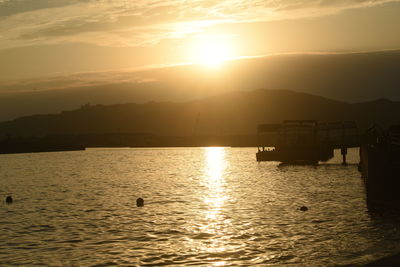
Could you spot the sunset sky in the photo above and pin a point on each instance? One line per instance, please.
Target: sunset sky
(59, 37)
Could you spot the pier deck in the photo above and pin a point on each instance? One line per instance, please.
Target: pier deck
(306, 141)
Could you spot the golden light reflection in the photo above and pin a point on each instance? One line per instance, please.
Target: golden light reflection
(215, 222)
(214, 179)
(213, 227)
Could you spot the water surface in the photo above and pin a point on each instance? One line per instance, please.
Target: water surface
(203, 206)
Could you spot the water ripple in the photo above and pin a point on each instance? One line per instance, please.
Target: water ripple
(203, 207)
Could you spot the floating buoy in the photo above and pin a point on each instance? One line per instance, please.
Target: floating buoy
(140, 202)
(303, 208)
(9, 200)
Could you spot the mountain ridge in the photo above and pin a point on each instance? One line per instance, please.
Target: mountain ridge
(349, 77)
(233, 113)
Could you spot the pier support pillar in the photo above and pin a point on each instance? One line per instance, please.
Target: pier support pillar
(343, 151)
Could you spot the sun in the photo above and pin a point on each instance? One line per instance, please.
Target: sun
(212, 51)
(212, 54)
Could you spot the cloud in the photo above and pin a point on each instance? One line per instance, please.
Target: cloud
(143, 22)
(76, 80)
(11, 7)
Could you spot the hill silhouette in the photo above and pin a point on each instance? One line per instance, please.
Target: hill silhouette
(234, 113)
(349, 77)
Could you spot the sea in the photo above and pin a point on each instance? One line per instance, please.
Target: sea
(211, 206)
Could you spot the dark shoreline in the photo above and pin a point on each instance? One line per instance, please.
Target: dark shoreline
(72, 142)
(388, 261)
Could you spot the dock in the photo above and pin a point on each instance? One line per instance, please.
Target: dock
(380, 166)
(310, 141)
(305, 141)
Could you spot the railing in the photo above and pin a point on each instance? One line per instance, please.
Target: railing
(309, 132)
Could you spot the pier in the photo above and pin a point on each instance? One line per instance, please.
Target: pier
(380, 166)
(309, 141)
(305, 141)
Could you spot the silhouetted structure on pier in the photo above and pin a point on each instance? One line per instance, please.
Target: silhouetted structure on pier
(305, 141)
(380, 166)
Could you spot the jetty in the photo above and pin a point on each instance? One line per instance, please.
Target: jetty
(380, 166)
(310, 141)
(305, 141)
(49, 143)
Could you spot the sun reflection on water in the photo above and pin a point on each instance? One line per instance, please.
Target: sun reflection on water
(214, 180)
(212, 227)
(214, 224)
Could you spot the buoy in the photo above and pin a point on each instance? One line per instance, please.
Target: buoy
(303, 208)
(140, 202)
(9, 200)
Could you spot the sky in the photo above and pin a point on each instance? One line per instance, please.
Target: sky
(40, 38)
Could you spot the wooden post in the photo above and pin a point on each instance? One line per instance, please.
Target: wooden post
(343, 151)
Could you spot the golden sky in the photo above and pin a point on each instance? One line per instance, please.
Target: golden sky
(61, 37)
